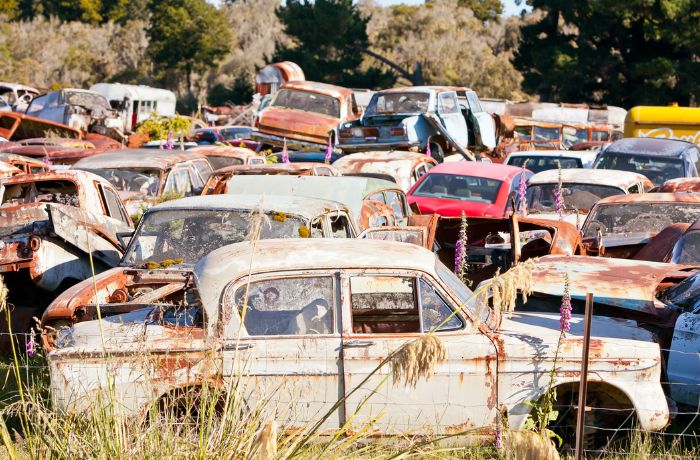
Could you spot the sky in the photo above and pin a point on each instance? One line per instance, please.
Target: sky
(510, 8)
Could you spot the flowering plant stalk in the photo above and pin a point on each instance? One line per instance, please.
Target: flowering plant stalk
(461, 250)
(522, 191)
(169, 144)
(558, 196)
(427, 150)
(285, 153)
(329, 150)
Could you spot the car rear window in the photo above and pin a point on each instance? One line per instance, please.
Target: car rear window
(458, 187)
(308, 102)
(538, 163)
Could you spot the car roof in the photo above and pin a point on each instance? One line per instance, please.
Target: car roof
(136, 158)
(301, 206)
(582, 154)
(650, 146)
(610, 177)
(678, 197)
(477, 168)
(349, 191)
(316, 87)
(215, 270)
(62, 174)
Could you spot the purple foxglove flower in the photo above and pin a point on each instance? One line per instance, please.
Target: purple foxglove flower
(329, 150)
(565, 309)
(285, 153)
(169, 144)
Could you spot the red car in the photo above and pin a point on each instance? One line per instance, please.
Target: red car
(478, 189)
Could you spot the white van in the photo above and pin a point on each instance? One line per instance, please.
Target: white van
(136, 103)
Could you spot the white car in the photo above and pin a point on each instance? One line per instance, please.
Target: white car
(321, 315)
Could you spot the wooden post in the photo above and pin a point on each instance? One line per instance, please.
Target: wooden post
(583, 385)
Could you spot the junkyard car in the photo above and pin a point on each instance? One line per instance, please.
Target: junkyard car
(221, 156)
(235, 136)
(18, 126)
(581, 189)
(85, 110)
(661, 297)
(333, 318)
(26, 164)
(623, 225)
(59, 153)
(143, 176)
(372, 202)
(686, 249)
(658, 159)
(304, 114)
(410, 118)
(542, 160)
(51, 224)
(475, 188)
(404, 168)
(8, 170)
(17, 96)
(688, 184)
(219, 179)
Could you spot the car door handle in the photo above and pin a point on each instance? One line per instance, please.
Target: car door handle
(238, 346)
(358, 343)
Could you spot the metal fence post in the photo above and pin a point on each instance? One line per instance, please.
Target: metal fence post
(583, 385)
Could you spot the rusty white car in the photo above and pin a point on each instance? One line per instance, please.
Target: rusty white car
(321, 315)
(581, 189)
(50, 225)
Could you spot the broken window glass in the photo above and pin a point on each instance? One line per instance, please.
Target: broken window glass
(287, 306)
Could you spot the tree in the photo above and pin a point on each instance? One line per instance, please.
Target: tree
(451, 45)
(642, 52)
(484, 10)
(327, 40)
(187, 37)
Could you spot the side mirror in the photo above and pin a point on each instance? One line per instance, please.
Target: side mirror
(124, 238)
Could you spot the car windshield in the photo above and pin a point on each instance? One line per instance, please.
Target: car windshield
(639, 218)
(687, 249)
(88, 100)
(307, 101)
(547, 134)
(539, 163)
(456, 187)
(142, 180)
(541, 197)
(397, 103)
(185, 236)
(466, 297)
(235, 133)
(657, 169)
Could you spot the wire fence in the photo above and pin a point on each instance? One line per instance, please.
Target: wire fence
(609, 423)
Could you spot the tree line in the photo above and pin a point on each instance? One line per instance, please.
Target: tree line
(598, 51)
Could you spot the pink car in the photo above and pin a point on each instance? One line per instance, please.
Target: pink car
(478, 189)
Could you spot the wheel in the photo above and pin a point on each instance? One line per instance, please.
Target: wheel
(437, 152)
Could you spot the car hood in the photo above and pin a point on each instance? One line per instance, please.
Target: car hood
(454, 208)
(528, 335)
(621, 283)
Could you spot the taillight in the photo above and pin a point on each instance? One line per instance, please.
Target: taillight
(398, 131)
(345, 133)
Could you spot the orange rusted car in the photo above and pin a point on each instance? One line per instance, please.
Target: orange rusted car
(305, 114)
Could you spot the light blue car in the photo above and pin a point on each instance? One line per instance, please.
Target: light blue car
(414, 118)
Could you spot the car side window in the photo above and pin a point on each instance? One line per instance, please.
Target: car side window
(178, 182)
(435, 312)
(112, 203)
(447, 103)
(287, 306)
(379, 196)
(634, 189)
(384, 305)
(316, 229)
(340, 226)
(322, 172)
(393, 199)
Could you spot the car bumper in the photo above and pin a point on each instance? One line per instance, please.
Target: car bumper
(403, 145)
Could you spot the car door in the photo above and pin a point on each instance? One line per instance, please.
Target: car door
(451, 117)
(484, 125)
(683, 364)
(288, 350)
(384, 310)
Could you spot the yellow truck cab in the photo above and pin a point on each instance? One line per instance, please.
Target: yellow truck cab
(672, 122)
